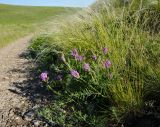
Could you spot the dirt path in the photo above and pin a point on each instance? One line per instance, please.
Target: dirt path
(11, 63)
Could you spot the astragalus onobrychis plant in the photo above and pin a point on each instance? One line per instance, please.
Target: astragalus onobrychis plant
(103, 67)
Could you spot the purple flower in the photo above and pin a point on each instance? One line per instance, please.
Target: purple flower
(44, 76)
(75, 74)
(108, 64)
(86, 67)
(79, 58)
(94, 57)
(74, 53)
(105, 50)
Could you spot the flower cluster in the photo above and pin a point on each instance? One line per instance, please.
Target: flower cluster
(105, 50)
(76, 55)
(44, 76)
(75, 74)
(86, 66)
(94, 57)
(108, 64)
(74, 52)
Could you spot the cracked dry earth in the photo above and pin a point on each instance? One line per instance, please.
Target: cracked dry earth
(13, 69)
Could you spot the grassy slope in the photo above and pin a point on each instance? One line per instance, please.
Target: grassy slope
(135, 70)
(18, 21)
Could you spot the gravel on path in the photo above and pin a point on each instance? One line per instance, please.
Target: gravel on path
(13, 69)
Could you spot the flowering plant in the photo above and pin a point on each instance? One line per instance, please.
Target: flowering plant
(90, 70)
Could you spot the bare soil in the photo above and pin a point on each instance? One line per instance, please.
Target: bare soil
(13, 70)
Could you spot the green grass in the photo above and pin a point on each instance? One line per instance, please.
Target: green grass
(18, 21)
(103, 96)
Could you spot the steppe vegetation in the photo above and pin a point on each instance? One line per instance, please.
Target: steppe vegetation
(104, 67)
(101, 68)
(19, 21)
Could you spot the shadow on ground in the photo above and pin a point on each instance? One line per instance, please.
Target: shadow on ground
(28, 85)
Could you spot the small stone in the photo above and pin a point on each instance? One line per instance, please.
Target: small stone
(22, 102)
(24, 94)
(18, 120)
(36, 123)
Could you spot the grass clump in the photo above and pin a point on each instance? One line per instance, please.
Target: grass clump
(103, 68)
(38, 44)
